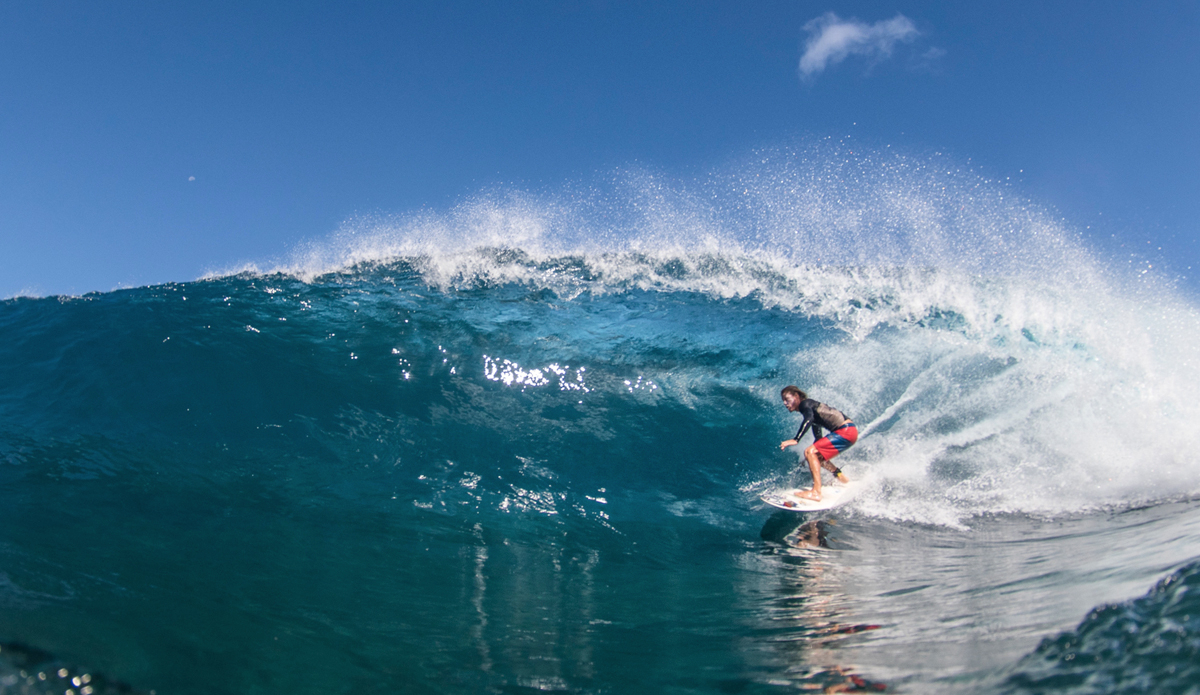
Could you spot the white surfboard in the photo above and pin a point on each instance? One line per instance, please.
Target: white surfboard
(831, 496)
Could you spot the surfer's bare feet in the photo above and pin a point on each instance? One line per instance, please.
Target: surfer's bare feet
(808, 495)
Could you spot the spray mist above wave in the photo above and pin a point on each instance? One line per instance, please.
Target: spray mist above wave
(822, 205)
(861, 238)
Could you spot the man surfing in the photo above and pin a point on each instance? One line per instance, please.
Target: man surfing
(818, 416)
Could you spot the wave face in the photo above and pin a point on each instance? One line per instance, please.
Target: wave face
(519, 444)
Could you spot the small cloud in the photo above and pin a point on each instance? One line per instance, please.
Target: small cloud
(191, 178)
(832, 39)
(929, 60)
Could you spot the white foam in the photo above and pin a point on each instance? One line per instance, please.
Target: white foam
(1081, 399)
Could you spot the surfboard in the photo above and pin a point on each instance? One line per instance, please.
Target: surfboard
(831, 496)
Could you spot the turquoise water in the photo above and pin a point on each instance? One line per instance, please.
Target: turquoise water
(518, 447)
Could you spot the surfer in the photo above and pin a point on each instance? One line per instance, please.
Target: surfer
(818, 416)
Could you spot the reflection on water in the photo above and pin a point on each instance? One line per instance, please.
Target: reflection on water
(790, 528)
(529, 622)
(958, 606)
(507, 603)
(801, 601)
(688, 613)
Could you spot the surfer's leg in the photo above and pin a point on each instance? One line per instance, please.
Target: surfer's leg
(814, 466)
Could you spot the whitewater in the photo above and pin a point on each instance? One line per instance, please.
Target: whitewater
(518, 446)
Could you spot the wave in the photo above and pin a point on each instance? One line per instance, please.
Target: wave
(993, 363)
(988, 349)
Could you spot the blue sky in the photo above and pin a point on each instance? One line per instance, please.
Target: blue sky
(151, 142)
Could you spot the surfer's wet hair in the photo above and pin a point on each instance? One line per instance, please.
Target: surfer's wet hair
(793, 389)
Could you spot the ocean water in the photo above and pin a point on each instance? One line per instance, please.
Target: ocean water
(517, 446)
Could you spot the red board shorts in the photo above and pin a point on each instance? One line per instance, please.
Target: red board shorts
(837, 441)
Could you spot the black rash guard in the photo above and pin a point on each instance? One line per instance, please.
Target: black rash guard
(817, 415)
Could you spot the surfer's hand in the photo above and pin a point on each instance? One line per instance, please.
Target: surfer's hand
(787, 443)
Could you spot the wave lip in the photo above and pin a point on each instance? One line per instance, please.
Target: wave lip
(817, 203)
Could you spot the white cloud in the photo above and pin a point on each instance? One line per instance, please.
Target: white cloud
(831, 39)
